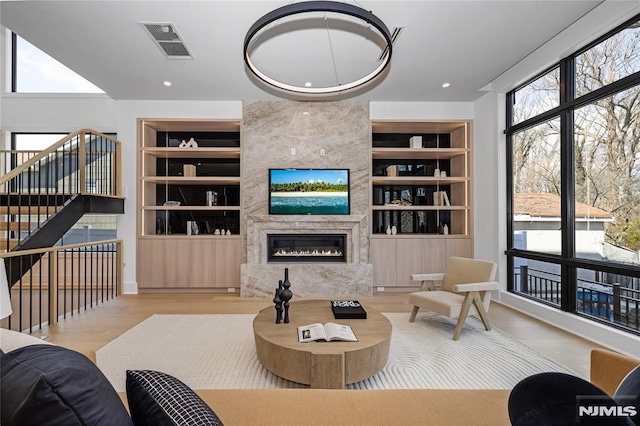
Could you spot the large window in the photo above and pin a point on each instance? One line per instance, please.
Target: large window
(36, 72)
(573, 141)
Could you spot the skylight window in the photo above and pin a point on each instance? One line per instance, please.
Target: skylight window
(37, 72)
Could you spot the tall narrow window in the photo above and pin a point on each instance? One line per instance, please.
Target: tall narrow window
(536, 188)
(607, 183)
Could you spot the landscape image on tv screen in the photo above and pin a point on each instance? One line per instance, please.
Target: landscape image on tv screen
(309, 191)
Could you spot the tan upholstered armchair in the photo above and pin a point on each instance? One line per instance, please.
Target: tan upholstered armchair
(466, 285)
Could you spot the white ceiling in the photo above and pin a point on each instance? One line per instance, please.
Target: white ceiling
(466, 43)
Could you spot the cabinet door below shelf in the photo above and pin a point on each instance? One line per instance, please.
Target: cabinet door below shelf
(409, 261)
(177, 263)
(150, 264)
(227, 260)
(203, 253)
(383, 258)
(434, 254)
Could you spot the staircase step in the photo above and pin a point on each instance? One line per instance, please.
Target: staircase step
(12, 243)
(16, 226)
(33, 210)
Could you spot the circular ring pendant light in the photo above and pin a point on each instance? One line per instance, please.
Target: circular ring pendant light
(309, 7)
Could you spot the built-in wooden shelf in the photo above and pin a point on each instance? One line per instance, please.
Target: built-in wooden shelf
(416, 180)
(193, 180)
(401, 208)
(192, 208)
(421, 153)
(161, 152)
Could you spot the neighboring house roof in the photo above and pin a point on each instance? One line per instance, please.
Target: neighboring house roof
(548, 205)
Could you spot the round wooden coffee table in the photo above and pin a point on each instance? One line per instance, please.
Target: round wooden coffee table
(325, 365)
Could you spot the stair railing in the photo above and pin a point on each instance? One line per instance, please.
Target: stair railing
(63, 281)
(34, 185)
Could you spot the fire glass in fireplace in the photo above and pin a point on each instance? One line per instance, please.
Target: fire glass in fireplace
(306, 248)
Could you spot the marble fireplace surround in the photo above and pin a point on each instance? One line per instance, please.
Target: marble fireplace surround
(270, 130)
(351, 279)
(259, 227)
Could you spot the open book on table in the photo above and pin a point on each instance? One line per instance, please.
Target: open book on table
(327, 332)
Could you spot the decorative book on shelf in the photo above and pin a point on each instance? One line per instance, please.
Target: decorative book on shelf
(348, 309)
(440, 198)
(328, 332)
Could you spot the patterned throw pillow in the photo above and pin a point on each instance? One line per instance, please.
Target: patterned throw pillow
(158, 399)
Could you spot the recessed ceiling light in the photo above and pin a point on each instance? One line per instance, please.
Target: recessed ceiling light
(167, 83)
(308, 84)
(445, 85)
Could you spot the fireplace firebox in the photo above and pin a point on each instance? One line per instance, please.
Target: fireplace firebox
(306, 248)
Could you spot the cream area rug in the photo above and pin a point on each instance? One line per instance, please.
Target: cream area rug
(218, 352)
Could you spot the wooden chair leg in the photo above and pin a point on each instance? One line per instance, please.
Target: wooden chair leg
(466, 305)
(477, 301)
(413, 313)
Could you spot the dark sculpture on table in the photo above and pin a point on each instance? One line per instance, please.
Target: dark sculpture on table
(278, 301)
(286, 294)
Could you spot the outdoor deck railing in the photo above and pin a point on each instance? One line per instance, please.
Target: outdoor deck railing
(609, 302)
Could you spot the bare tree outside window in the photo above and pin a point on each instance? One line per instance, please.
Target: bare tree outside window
(607, 164)
(539, 96)
(609, 61)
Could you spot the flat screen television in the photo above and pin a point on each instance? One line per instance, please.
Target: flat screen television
(309, 191)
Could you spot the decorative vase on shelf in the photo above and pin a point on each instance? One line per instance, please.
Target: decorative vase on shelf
(286, 294)
(192, 143)
(183, 144)
(394, 230)
(388, 230)
(436, 173)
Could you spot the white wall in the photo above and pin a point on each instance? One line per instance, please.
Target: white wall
(487, 215)
(421, 110)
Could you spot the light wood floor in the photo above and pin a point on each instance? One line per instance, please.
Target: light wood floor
(92, 329)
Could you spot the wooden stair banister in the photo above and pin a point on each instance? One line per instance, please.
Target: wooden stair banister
(7, 177)
(85, 164)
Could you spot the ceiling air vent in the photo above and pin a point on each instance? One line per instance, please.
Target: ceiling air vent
(166, 37)
(395, 33)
